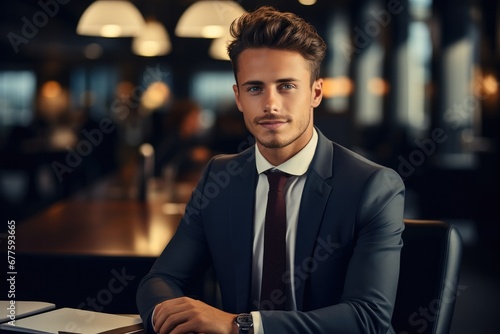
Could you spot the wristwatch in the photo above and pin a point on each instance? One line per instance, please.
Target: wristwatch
(244, 321)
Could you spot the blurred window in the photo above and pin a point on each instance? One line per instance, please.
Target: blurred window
(459, 104)
(419, 75)
(17, 93)
(338, 85)
(419, 66)
(212, 89)
(370, 85)
(93, 89)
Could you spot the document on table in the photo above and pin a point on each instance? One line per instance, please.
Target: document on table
(69, 320)
(13, 310)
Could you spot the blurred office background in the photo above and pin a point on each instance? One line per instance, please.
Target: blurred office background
(410, 84)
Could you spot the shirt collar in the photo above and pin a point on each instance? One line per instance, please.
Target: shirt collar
(296, 165)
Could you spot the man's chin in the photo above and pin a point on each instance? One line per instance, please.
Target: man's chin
(272, 144)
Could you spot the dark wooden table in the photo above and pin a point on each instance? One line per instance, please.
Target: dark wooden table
(93, 227)
(74, 251)
(106, 219)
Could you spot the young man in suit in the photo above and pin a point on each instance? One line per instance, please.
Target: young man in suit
(336, 259)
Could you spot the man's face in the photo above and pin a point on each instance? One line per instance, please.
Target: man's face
(275, 95)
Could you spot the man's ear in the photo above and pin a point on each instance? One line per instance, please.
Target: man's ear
(236, 91)
(317, 92)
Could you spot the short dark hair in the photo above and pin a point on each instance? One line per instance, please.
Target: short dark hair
(267, 27)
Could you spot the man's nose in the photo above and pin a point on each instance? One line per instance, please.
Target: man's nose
(271, 101)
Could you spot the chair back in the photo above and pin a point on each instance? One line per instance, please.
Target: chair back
(428, 280)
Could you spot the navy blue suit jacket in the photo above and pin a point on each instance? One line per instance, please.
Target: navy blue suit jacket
(347, 249)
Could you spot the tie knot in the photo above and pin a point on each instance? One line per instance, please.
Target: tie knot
(276, 179)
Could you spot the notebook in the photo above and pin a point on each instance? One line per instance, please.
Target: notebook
(70, 320)
(20, 309)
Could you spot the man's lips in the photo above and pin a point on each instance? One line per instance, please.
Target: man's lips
(271, 124)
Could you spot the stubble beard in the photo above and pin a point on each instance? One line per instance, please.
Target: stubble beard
(276, 143)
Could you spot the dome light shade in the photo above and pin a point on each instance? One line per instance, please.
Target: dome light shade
(208, 19)
(307, 2)
(152, 41)
(218, 48)
(108, 18)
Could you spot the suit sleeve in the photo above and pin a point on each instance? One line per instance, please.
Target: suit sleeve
(371, 280)
(185, 257)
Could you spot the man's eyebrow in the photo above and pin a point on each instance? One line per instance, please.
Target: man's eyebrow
(252, 83)
(258, 82)
(287, 80)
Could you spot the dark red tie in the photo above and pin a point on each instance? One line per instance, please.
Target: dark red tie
(273, 293)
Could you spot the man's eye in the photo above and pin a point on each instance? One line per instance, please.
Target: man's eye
(254, 89)
(287, 86)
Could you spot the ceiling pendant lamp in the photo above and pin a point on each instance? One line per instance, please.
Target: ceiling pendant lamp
(208, 19)
(152, 41)
(111, 18)
(218, 48)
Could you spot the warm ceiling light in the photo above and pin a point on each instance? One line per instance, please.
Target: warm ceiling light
(378, 86)
(108, 18)
(156, 95)
(146, 150)
(51, 89)
(218, 48)
(212, 31)
(152, 41)
(111, 30)
(307, 2)
(490, 84)
(208, 19)
(337, 87)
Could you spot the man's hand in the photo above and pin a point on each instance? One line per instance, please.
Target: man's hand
(185, 315)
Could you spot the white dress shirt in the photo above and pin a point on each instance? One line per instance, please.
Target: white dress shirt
(297, 167)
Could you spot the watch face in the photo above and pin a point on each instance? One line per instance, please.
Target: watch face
(244, 320)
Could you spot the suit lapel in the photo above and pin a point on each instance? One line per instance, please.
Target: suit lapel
(242, 215)
(314, 200)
